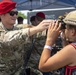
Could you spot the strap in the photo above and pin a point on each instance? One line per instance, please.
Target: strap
(74, 45)
(28, 54)
(70, 70)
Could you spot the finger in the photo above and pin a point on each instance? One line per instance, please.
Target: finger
(46, 24)
(50, 25)
(59, 26)
(47, 20)
(53, 24)
(56, 25)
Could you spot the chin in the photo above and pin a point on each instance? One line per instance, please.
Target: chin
(12, 23)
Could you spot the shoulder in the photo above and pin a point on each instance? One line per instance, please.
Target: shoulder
(1, 28)
(69, 49)
(67, 53)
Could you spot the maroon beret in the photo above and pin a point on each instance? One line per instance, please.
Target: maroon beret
(6, 6)
(40, 14)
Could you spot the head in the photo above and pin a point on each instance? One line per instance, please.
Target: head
(40, 16)
(8, 12)
(70, 31)
(20, 20)
(32, 20)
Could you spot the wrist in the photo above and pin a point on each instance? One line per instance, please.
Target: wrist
(49, 42)
(48, 47)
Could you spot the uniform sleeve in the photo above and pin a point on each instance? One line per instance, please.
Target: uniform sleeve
(15, 38)
(41, 34)
(22, 26)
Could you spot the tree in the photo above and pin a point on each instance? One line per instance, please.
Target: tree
(22, 15)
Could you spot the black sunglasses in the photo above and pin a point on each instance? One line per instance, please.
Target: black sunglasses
(12, 13)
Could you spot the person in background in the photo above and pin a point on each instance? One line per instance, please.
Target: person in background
(66, 57)
(20, 20)
(20, 24)
(40, 16)
(13, 39)
(39, 41)
(32, 20)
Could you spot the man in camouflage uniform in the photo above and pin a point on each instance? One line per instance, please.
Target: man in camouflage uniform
(12, 39)
(39, 41)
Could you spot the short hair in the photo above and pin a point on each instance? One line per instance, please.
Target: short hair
(20, 19)
(32, 18)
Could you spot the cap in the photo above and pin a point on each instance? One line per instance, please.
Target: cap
(6, 6)
(40, 14)
(70, 18)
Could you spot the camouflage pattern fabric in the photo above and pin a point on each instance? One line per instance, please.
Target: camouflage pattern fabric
(12, 49)
(37, 50)
(35, 54)
(12, 44)
(21, 26)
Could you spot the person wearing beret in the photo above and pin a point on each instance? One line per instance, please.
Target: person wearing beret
(12, 39)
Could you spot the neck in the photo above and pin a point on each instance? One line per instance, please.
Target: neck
(8, 26)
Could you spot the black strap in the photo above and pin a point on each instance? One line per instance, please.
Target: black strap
(28, 54)
(26, 59)
(23, 71)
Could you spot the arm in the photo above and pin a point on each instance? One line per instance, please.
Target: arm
(62, 58)
(41, 27)
(21, 36)
(21, 26)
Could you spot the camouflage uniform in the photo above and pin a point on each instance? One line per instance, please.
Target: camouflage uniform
(21, 26)
(39, 41)
(39, 38)
(12, 49)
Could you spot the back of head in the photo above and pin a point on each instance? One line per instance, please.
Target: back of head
(70, 18)
(6, 6)
(40, 16)
(20, 20)
(32, 18)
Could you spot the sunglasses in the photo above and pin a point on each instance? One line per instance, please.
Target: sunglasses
(12, 13)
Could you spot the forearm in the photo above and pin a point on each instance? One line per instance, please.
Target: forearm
(33, 31)
(22, 26)
(45, 56)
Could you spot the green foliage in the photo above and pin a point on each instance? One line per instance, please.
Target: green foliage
(22, 15)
